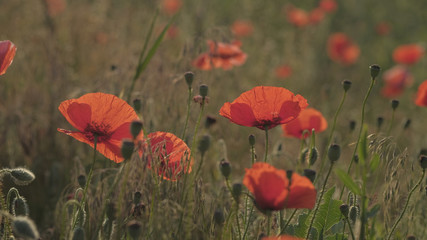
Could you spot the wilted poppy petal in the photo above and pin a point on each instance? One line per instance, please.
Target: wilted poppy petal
(302, 193)
(7, 53)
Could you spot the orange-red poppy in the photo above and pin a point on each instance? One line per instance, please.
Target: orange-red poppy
(221, 55)
(396, 79)
(283, 71)
(242, 28)
(421, 99)
(264, 107)
(282, 237)
(316, 15)
(307, 120)
(382, 28)
(297, 16)
(171, 7)
(102, 115)
(169, 156)
(7, 53)
(55, 7)
(328, 5)
(272, 189)
(341, 49)
(408, 54)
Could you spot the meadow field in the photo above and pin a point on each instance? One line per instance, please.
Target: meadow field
(213, 119)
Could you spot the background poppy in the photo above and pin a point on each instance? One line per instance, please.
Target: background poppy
(308, 119)
(7, 53)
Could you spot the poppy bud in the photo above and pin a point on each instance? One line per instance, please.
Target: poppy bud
(407, 124)
(81, 179)
(353, 213)
(314, 154)
(137, 105)
(80, 217)
(111, 211)
(78, 234)
(210, 120)
(334, 152)
(346, 84)
(289, 174)
(310, 174)
(137, 197)
(237, 191)
(394, 104)
(203, 90)
(189, 76)
(21, 176)
(380, 121)
(344, 208)
(225, 168)
(356, 158)
(127, 148)
(204, 143)
(135, 128)
(19, 207)
(411, 238)
(218, 217)
(423, 161)
(134, 229)
(251, 140)
(352, 125)
(304, 154)
(24, 227)
(375, 70)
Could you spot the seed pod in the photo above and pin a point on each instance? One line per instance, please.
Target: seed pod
(225, 168)
(346, 84)
(375, 70)
(334, 153)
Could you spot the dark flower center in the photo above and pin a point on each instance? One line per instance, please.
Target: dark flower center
(101, 130)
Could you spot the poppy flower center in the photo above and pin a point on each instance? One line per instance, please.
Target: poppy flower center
(102, 131)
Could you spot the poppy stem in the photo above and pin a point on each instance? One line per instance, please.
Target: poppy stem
(320, 199)
(406, 204)
(349, 226)
(190, 94)
(391, 123)
(268, 223)
(360, 130)
(266, 143)
(289, 221)
(95, 140)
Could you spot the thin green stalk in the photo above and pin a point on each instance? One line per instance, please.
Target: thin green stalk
(281, 220)
(391, 123)
(288, 222)
(200, 164)
(268, 223)
(247, 221)
(266, 143)
(95, 140)
(349, 226)
(190, 94)
(320, 199)
(406, 205)
(331, 134)
(360, 130)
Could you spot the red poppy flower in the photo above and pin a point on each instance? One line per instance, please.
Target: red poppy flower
(282, 237)
(171, 7)
(263, 107)
(308, 119)
(273, 190)
(55, 7)
(7, 53)
(297, 16)
(382, 28)
(328, 5)
(396, 80)
(241, 28)
(421, 99)
(408, 54)
(171, 155)
(316, 15)
(342, 50)
(104, 115)
(283, 71)
(221, 55)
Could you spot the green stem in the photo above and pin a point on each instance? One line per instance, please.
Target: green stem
(319, 200)
(200, 165)
(266, 143)
(349, 226)
(268, 224)
(190, 94)
(95, 140)
(391, 123)
(288, 222)
(331, 134)
(360, 130)
(406, 205)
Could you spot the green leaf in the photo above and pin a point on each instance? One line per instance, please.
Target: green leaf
(338, 236)
(302, 226)
(348, 182)
(374, 210)
(329, 212)
(375, 162)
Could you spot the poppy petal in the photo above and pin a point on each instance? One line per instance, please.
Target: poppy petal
(302, 193)
(7, 53)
